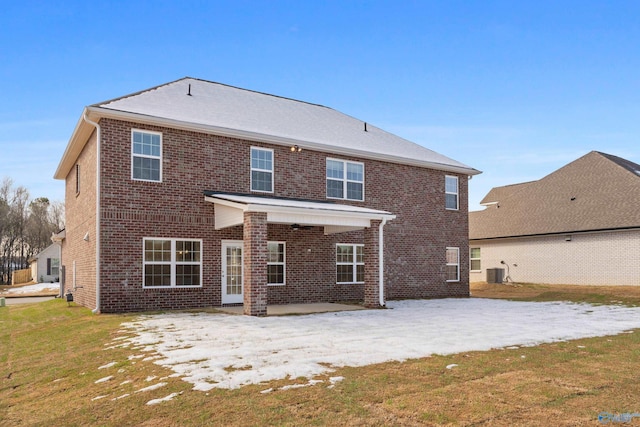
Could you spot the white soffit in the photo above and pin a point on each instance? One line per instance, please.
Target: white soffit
(336, 218)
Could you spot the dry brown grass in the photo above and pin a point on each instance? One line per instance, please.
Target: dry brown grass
(50, 354)
(628, 295)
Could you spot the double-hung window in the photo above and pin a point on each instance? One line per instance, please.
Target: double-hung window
(261, 170)
(451, 192)
(146, 156)
(349, 263)
(453, 265)
(172, 263)
(474, 257)
(276, 263)
(345, 180)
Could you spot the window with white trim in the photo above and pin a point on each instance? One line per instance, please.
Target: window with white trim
(345, 180)
(276, 263)
(261, 169)
(146, 155)
(451, 192)
(453, 265)
(349, 263)
(474, 259)
(172, 263)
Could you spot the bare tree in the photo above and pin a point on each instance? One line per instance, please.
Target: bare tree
(25, 227)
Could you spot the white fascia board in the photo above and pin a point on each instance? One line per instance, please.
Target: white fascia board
(277, 140)
(77, 141)
(236, 205)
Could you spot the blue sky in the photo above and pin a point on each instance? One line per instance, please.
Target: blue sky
(515, 89)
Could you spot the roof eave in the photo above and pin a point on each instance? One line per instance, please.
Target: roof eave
(101, 112)
(557, 233)
(78, 140)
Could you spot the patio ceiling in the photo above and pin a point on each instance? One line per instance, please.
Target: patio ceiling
(335, 218)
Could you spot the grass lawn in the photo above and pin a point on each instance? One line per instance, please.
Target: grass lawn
(51, 355)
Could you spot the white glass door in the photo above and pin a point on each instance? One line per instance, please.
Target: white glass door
(232, 280)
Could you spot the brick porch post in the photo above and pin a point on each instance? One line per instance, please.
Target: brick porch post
(371, 265)
(255, 263)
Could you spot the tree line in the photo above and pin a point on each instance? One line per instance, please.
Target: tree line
(26, 226)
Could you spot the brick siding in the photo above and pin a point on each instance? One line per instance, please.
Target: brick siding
(193, 162)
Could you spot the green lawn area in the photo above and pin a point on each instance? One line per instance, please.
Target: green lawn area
(50, 355)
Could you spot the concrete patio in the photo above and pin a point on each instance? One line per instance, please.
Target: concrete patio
(289, 309)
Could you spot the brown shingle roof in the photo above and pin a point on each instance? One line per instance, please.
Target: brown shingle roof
(595, 192)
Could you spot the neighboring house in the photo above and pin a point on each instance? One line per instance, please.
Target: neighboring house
(195, 194)
(578, 225)
(45, 266)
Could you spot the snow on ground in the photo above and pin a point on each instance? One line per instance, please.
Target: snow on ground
(227, 351)
(38, 287)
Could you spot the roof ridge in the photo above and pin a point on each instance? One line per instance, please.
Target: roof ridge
(99, 104)
(254, 91)
(626, 164)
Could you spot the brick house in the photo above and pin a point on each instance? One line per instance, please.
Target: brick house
(195, 194)
(578, 225)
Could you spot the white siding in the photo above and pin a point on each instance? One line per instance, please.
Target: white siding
(600, 258)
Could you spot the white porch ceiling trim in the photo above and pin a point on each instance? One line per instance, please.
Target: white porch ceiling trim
(335, 218)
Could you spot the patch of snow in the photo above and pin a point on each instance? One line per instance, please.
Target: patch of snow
(125, 382)
(98, 398)
(120, 397)
(453, 365)
(151, 387)
(38, 287)
(101, 380)
(108, 365)
(202, 347)
(164, 399)
(335, 380)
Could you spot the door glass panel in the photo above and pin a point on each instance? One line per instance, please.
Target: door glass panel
(234, 271)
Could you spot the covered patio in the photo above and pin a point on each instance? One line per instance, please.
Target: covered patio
(254, 213)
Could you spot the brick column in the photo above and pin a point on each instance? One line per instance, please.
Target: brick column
(371, 265)
(255, 263)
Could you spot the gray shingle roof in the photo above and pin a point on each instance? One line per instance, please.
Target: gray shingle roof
(595, 192)
(213, 106)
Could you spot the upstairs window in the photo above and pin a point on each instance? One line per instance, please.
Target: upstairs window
(451, 192)
(345, 180)
(261, 170)
(349, 263)
(146, 156)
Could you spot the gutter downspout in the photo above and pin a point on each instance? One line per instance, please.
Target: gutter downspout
(381, 262)
(97, 126)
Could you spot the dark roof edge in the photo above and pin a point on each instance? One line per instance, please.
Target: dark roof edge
(211, 193)
(558, 233)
